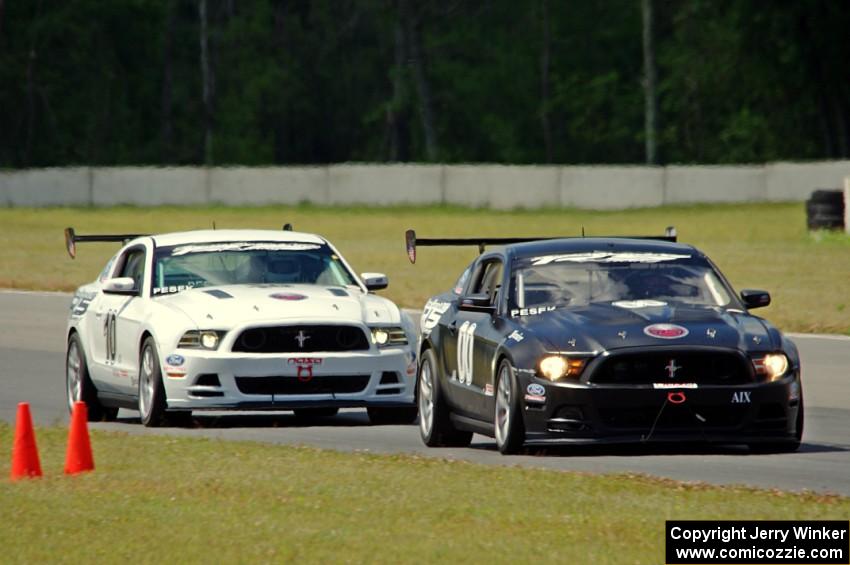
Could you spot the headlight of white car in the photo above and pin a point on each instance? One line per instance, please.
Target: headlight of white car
(389, 336)
(201, 339)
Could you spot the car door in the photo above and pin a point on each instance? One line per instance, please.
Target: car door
(471, 337)
(121, 316)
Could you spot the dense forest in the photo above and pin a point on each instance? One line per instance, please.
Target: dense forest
(256, 82)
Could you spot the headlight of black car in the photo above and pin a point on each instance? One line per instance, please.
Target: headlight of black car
(555, 367)
(772, 366)
(201, 339)
(389, 336)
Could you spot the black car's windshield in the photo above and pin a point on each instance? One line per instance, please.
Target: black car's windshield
(622, 278)
(195, 265)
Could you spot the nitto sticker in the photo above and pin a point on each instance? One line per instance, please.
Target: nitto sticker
(535, 389)
(516, 336)
(665, 331)
(244, 246)
(175, 360)
(634, 304)
(607, 257)
(531, 311)
(674, 385)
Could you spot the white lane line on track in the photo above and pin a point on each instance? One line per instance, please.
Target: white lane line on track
(34, 292)
(833, 337)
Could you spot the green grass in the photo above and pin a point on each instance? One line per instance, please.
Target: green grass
(161, 499)
(756, 245)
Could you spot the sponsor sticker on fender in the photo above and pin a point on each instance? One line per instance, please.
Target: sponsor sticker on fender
(175, 360)
(665, 331)
(535, 393)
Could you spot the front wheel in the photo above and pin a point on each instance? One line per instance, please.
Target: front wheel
(78, 384)
(435, 425)
(152, 400)
(507, 418)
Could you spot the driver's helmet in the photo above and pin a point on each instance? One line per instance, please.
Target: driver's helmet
(650, 284)
(284, 268)
(253, 270)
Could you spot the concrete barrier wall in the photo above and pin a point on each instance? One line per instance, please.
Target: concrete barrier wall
(386, 185)
(501, 186)
(685, 185)
(143, 186)
(246, 186)
(611, 188)
(492, 186)
(795, 181)
(46, 187)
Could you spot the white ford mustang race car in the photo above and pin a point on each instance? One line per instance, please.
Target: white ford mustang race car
(236, 320)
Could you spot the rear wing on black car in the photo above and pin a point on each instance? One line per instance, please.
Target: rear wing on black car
(71, 239)
(412, 241)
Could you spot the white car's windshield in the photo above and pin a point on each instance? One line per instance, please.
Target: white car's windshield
(181, 267)
(581, 279)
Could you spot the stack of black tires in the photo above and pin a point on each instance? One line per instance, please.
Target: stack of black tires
(825, 210)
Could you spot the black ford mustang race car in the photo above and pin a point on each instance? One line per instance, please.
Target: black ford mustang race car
(587, 340)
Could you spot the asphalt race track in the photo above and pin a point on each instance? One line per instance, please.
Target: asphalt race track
(32, 347)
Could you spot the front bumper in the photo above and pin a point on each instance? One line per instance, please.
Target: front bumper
(579, 413)
(234, 381)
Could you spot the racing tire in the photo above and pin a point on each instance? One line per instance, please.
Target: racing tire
(152, 399)
(392, 415)
(435, 425)
(831, 196)
(315, 413)
(825, 209)
(78, 384)
(785, 446)
(508, 424)
(824, 216)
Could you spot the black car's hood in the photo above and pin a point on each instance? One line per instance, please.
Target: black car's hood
(606, 326)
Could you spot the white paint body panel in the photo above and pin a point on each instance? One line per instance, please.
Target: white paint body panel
(168, 317)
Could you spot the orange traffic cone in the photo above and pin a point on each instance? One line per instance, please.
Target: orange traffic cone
(25, 463)
(78, 458)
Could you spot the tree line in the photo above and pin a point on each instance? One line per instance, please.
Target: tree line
(261, 82)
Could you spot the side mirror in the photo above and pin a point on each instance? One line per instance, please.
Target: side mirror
(755, 298)
(123, 285)
(477, 303)
(375, 281)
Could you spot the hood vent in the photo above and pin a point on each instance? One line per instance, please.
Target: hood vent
(218, 293)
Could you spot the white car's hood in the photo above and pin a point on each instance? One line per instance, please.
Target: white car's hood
(225, 307)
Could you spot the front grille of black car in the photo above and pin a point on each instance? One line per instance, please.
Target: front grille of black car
(705, 368)
(326, 384)
(301, 339)
(687, 416)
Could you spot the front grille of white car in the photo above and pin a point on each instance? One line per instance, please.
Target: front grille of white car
(301, 339)
(326, 384)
